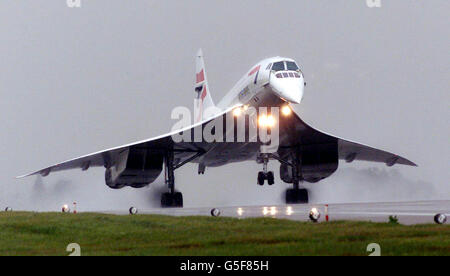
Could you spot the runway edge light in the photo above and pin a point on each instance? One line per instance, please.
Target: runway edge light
(65, 208)
(215, 212)
(440, 218)
(314, 215)
(133, 210)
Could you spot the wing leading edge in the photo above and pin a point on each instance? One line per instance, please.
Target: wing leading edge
(106, 157)
(351, 151)
(298, 132)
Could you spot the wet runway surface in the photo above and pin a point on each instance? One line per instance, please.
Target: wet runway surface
(419, 212)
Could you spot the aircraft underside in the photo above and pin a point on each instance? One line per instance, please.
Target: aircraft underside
(303, 154)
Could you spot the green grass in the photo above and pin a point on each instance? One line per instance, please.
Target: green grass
(99, 234)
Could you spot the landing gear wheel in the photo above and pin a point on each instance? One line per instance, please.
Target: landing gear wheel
(261, 178)
(178, 200)
(270, 178)
(166, 200)
(169, 200)
(296, 196)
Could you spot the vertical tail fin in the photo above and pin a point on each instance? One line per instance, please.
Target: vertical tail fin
(202, 99)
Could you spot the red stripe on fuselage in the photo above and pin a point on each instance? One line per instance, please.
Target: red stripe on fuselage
(256, 69)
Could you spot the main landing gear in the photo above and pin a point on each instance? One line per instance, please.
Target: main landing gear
(296, 195)
(171, 198)
(265, 175)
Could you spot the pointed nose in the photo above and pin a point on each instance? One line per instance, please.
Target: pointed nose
(288, 89)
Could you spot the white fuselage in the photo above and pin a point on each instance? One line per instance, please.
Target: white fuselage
(270, 83)
(262, 79)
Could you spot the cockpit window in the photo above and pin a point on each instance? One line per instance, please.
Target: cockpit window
(291, 66)
(278, 66)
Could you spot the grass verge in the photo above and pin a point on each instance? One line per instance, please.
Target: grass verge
(100, 234)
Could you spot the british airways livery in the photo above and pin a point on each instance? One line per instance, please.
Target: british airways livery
(261, 100)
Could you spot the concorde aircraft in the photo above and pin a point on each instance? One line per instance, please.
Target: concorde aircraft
(269, 89)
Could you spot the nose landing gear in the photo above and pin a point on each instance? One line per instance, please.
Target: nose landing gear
(265, 175)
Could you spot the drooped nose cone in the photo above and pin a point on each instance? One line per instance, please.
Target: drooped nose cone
(289, 89)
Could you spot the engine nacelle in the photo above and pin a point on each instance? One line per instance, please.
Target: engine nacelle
(134, 167)
(316, 163)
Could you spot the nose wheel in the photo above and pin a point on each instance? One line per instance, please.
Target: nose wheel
(262, 177)
(265, 175)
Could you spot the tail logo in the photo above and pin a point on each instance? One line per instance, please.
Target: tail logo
(201, 76)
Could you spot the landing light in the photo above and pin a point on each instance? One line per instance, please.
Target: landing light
(237, 112)
(266, 121)
(286, 110)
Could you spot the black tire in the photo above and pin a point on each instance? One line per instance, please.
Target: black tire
(169, 200)
(294, 196)
(261, 178)
(270, 178)
(166, 200)
(303, 197)
(178, 200)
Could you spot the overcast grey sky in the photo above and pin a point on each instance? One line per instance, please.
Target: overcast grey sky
(75, 81)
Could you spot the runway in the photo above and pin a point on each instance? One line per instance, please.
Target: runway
(409, 213)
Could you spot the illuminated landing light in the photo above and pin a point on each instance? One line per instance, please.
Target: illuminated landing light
(266, 121)
(289, 211)
(314, 215)
(273, 211)
(237, 112)
(65, 208)
(240, 211)
(265, 211)
(286, 110)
